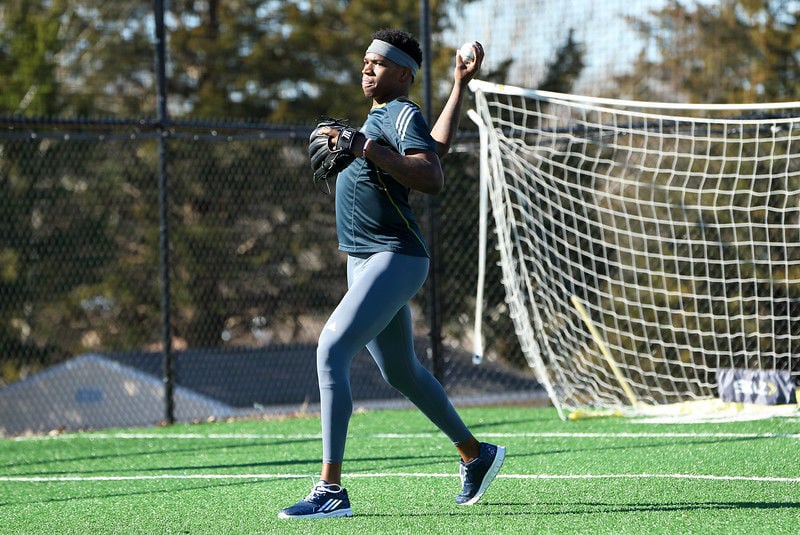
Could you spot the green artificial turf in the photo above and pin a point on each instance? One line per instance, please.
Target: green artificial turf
(589, 476)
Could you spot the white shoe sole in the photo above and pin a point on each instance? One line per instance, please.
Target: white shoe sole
(333, 514)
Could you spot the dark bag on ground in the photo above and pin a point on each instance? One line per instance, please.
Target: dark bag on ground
(763, 387)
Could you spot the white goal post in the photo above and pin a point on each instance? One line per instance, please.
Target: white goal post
(643, 245)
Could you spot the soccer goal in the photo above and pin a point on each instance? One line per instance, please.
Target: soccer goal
(643, 245)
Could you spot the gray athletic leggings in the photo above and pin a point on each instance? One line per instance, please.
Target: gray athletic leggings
(375, 313)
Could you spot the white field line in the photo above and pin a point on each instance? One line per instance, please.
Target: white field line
(161, 477)
(302, 436)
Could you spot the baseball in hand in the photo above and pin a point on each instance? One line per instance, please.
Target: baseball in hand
(466, 53)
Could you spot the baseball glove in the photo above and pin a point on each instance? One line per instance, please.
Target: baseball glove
(327, 162)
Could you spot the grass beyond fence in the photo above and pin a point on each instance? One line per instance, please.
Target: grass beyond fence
(590, 476)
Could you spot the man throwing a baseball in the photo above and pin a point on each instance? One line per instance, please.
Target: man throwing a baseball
(393, 153)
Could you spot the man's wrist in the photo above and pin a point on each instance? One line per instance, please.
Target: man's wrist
(365, 147)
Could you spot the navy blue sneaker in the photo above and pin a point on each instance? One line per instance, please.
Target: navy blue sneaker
(324, 501)
(478, 474)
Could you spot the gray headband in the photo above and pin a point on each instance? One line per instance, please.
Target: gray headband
(392, 53)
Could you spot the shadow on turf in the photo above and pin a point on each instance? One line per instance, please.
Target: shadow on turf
(628, 447)
(587, 508)
(199, 448)
(383, 461)
(605, 508)
(547, 420)
(96, 496)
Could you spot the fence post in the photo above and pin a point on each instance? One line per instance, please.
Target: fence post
(163, 206)
(433, 205)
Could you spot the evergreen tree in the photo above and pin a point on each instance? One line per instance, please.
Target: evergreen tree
(727, 51)
(565, 67)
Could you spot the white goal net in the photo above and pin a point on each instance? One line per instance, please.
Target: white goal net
(643, 246)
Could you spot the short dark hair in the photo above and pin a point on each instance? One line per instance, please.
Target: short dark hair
(402, 40)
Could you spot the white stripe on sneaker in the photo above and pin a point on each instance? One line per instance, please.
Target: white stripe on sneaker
(330, 505)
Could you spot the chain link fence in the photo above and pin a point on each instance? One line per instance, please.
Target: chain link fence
(254, 271)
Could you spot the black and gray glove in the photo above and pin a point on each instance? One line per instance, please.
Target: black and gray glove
(327, 162)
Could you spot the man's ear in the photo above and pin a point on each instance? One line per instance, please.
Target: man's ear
(406, 77)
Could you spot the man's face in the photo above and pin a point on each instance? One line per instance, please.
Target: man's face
(383, 80)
